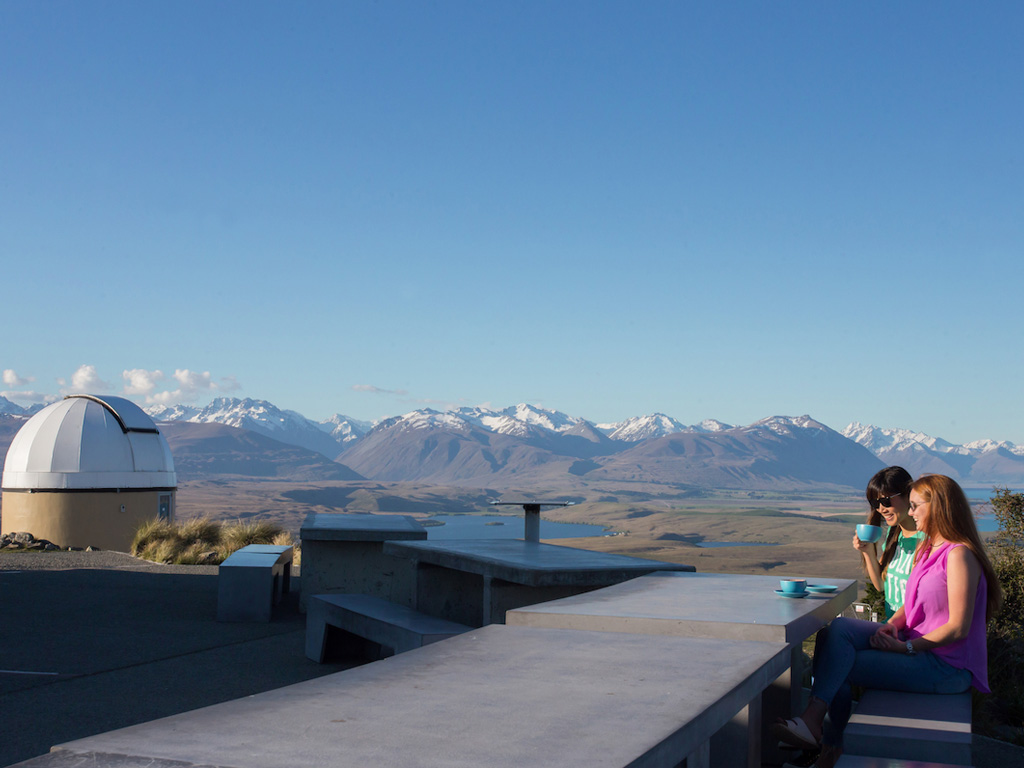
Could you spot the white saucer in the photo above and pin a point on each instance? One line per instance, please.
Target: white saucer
(780, 593)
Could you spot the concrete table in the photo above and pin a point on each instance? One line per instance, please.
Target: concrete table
(343, 554)
(475, 581)
(709, 605)
(502, 697)
(531, 514)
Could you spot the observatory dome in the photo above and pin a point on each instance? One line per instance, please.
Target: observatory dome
(86, 442)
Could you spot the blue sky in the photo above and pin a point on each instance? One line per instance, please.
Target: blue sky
(710, 210)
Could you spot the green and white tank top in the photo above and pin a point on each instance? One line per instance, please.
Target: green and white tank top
(898, 571)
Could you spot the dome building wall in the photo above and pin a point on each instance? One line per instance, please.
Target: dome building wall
(87, 471)
(105, 519)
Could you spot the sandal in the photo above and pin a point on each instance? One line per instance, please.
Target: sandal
(797, 733)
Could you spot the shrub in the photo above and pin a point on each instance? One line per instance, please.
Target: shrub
(200, 531)
(198, 553)
(149, 533)
(239, 534)
(1005, 710)
(161, 550)
(201, 541)
(875, 600)
(1007, 552)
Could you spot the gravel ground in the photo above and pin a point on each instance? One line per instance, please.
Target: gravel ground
(29, 560)
(95, 641)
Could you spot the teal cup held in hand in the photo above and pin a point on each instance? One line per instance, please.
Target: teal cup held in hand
(869, 533)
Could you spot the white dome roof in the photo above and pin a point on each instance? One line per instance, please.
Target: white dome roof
(85, 442)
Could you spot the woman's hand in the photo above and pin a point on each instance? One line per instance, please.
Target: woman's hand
(861, 546)
(887, 638)
(871, 564)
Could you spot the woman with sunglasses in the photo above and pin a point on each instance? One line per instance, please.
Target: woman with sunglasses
(888, 493)
(935, 643)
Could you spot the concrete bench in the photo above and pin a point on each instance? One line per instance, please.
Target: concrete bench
(342, 554)
(927, 727)
(858, 761)
(395, 628)
(252, 580)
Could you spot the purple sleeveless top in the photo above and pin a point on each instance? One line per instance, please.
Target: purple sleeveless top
(927, 608)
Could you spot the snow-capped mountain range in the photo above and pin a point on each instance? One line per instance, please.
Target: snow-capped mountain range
(879, 440)
(981, 460)
(531, 428)
(328, 437)
(639, 428)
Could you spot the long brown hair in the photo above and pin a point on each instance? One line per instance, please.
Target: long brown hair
(891, 481)
(950, 517)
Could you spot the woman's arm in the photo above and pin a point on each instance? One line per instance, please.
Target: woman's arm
(899, 619)
(962, 574)
(887, 638)
(871, 563)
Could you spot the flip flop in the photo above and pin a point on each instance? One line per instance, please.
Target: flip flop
(797, 733)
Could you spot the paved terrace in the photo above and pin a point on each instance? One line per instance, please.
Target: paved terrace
(131, 642)
(122, 641)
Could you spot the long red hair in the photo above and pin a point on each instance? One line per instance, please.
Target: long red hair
(950, 517)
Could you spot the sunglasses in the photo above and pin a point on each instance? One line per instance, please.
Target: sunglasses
(883, 501)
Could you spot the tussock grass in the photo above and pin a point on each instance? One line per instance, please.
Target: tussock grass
(201, 541)
(199, 531)
(149, 533)
(242, 534)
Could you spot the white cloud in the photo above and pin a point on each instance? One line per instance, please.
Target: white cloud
(444, 405)
(165, 398)
(29, 397)
(191, 385)
(139, 381)
(150, 385)
(193, 382)
(11, 379)
(377, 390)
(84, 381)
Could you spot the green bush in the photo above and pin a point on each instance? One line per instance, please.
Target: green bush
(1007, 552)
(1004, 711)
(875, 600)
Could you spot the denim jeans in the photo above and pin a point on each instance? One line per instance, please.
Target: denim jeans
(847, 659)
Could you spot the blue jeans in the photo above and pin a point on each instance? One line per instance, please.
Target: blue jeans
(847, 659)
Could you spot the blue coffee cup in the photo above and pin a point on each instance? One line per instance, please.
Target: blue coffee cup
(793, 586)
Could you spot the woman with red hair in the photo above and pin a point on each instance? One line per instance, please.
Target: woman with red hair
(935, 643)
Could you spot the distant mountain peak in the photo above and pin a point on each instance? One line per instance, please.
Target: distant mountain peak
(877, 439)
(639, 428)
(6, 406)
(259, 416)
(345, 429)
